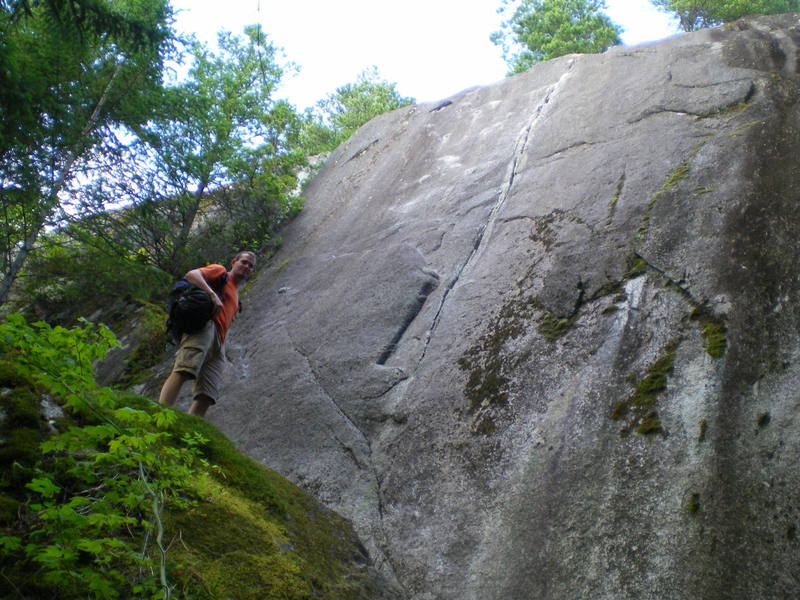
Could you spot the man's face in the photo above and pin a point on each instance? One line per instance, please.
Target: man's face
(244, 265)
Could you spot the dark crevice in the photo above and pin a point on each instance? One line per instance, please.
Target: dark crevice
(657, 110)
(348, 450)
(612, 208)
(485, 231)
(679, 285)
(750, 93)
(712, 326)
(364, 149)
(383, 393)
(441, 105)
(567, 148)
(409, 317)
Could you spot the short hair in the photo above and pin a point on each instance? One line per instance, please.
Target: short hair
(239, 254)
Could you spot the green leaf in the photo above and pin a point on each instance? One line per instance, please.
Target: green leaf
(91, 546)
(103, 588)
(44, 487)
(9, 544)
(165, 418)
(53, 555)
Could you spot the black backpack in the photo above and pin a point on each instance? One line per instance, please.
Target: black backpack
(189, 308)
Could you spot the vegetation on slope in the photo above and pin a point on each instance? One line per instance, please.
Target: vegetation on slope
(108, 495)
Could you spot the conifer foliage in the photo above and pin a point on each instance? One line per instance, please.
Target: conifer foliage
(539, 30)
(67, 72)
(697, 14)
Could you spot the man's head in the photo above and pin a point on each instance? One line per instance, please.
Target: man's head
(242, 265)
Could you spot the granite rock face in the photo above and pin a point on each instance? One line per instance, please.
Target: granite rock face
(540, 340)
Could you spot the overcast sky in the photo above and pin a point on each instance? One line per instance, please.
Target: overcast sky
(431, 49)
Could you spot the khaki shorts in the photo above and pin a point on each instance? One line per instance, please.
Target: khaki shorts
(200, 357)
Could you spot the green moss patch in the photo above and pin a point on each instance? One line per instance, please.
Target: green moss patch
(257, 535)
(693, 505)
(234, 547)
(742, 129)
(612, 207)
(636, 266)
(247, 576)
(702, 190)
(488, 362)
(552, 327)
(639, 409)
(678, 174)
(713, 330)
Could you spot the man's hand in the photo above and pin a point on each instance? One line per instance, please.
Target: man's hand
(217, 302)
(195, 277)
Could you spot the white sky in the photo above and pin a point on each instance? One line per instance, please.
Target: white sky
(431, 49)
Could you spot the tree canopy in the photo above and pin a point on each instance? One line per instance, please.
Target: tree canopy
(539, 30)
(65, 84)
(119, 162)
(212, 170)
(120, 168)
(219, 127)
(337, 116)
(95, 17)
(697, 14)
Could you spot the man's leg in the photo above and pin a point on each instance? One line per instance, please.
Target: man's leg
(206, 386)
(172, 387)
(200, 405)
(188, 362)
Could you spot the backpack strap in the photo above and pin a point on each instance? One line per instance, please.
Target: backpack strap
(219, 288)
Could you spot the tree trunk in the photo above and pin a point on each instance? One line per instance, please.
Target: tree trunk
(52, 202)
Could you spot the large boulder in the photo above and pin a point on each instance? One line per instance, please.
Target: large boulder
(539, 340)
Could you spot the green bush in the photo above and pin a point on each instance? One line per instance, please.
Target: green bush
(121, 498)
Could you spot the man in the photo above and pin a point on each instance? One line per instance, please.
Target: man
(200, 356)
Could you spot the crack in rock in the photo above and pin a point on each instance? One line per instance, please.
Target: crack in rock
(485, 232)
(363, 150)
(679, 284)
(441, 106)
(361, 466)
(568, 148)
(326, 392)
(661, 109)
(409, 317)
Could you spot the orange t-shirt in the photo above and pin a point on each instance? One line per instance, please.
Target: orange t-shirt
(230, 303)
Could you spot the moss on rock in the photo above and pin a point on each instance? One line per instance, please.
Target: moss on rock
(713, 330)
(487, 361)
(693, 505)
(22, 429)
(256, 535)
(639, 407)
(253, 535)
(149, 349)
(552, 328)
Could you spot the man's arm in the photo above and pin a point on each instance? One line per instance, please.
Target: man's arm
(195, 277)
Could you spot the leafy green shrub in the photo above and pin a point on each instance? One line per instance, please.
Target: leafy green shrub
(91, 525)
(119, 498)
